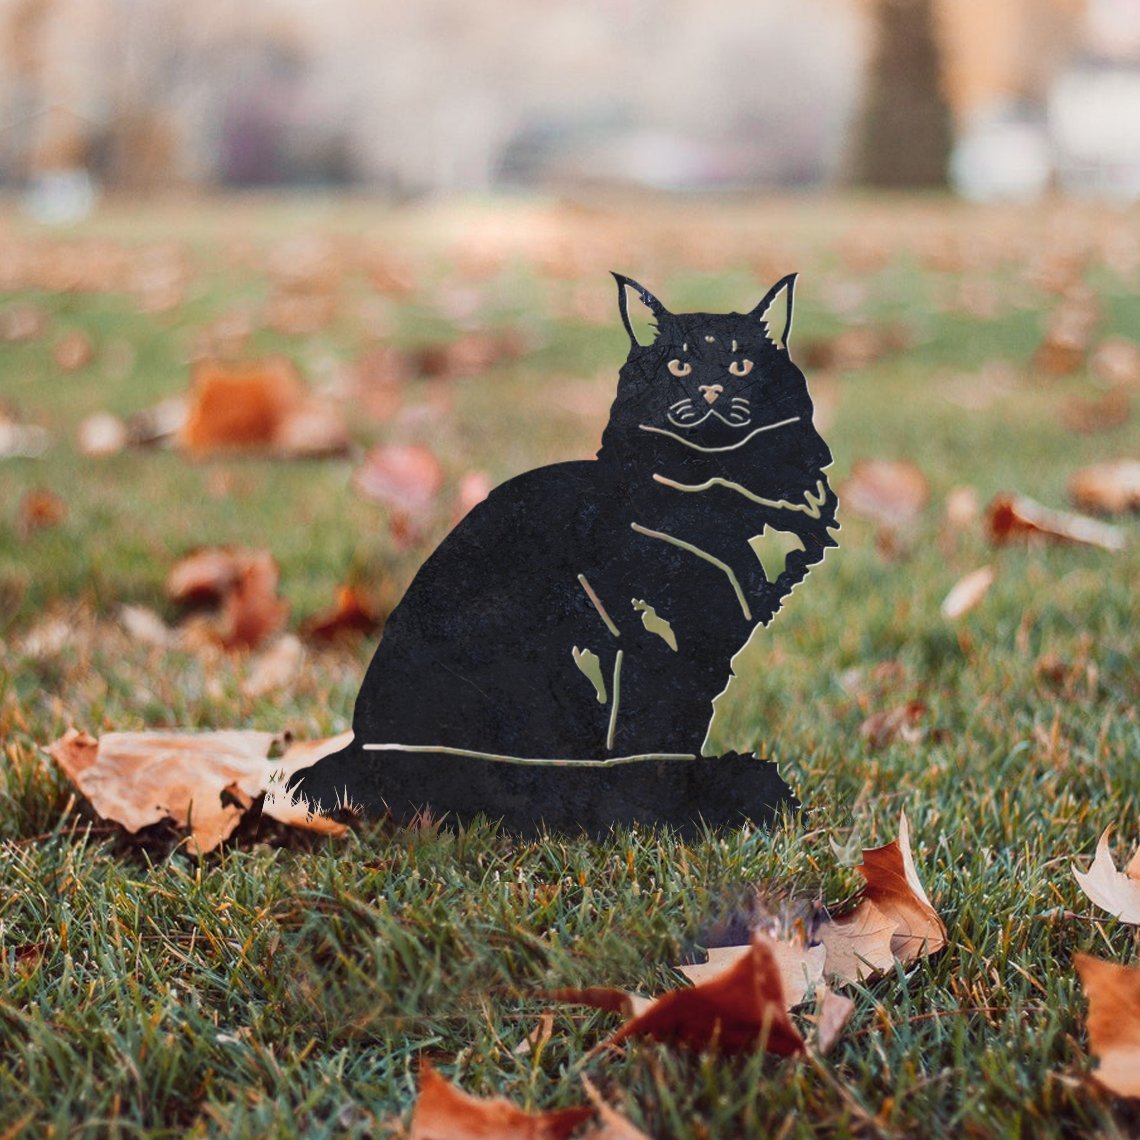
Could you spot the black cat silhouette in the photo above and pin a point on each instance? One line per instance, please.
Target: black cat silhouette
(556, 658)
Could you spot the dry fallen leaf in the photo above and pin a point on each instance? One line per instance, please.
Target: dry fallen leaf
(889, 725)
(243, 582)
(1011, 517)
(858, 944)
(39, 509)
(1107, 488)
(739, 1009)
(259, 405)
(801, 967)
(202, 781)
(405, 477)
(890, 492)
(352, 615)
(1113, 1022)
(833, 1013)
(894, 888)
(1117, 892)
(444, 1112)
(968, 592)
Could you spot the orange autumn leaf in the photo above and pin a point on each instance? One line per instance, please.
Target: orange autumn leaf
(801, 967)
(352, 614)
(1011, 517)
(239, 405)
(740, 1009)
(204, 782)
(445, 1112)
(1113, 1022)
(894, 888)
(258, 405)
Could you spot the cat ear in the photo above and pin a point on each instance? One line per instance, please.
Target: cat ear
(647, 299)
(775, 310)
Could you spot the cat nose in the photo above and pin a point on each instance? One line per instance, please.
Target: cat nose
(711, 391)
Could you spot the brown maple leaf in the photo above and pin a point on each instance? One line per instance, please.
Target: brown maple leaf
(742, 1008)
(202, 781)
(893, 887)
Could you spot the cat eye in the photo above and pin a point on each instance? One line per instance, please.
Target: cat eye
(740, 367)
(679, 369)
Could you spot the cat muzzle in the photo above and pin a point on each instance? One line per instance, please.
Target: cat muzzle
(711, 392)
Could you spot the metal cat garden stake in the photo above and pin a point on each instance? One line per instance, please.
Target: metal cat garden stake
(555, 660)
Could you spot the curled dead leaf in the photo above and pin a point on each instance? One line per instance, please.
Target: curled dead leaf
(242, 582)
(1113, 1022)
(1011, 517)
(894, 887)
(202, 781)
(445, 1112)
(1117, 892)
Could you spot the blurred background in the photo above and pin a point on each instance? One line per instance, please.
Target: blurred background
(305, 278)
(1003, 98)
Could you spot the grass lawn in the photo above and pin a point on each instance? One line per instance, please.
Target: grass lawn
(288, 986)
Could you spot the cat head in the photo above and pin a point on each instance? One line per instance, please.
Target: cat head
(716, 390)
